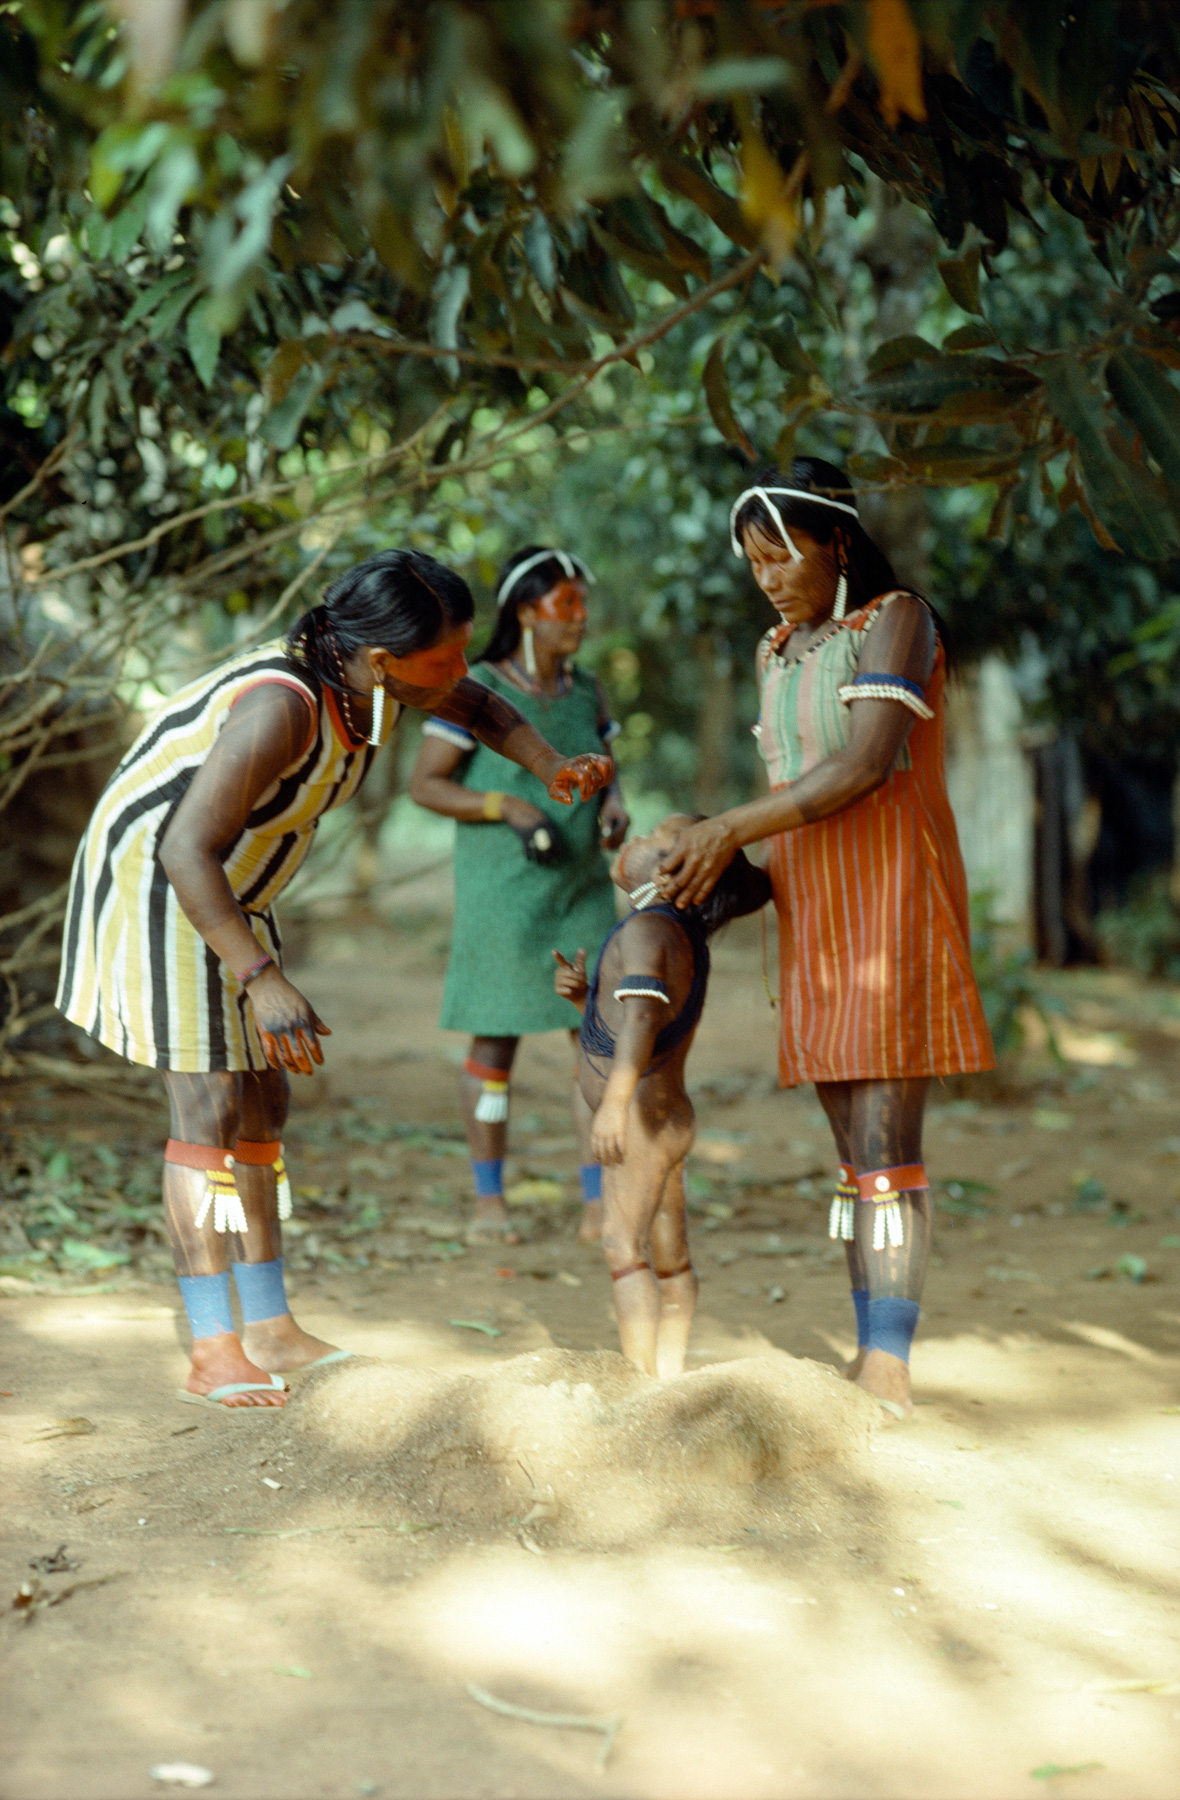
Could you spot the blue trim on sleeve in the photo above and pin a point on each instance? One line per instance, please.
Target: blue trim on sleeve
(911, 687)
(449, 733)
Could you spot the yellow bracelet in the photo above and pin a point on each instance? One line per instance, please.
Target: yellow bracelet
(493, 806)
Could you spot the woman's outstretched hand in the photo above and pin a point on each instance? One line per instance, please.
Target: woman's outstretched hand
(589, 774)
(287, 1025)
(692, 867)
(614, 821)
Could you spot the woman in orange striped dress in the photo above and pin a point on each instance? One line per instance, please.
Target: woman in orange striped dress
(877, 989)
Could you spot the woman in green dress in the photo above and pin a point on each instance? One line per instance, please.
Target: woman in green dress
(530, 877)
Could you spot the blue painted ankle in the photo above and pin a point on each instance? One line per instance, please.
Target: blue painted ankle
(892, 1323)
(261, 1290)
(206, 1301)
(590, 1176)
(860, 1300)
(489, 1177)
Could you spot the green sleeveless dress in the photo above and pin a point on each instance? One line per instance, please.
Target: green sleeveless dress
(509, 912)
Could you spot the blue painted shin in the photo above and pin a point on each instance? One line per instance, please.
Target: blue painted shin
(590, 1176)
(261, 1290)
(206, 1301)
(489, 1177)
(892, 1323)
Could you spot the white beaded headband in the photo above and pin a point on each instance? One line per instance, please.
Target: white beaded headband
(763, 494)
(575, 570)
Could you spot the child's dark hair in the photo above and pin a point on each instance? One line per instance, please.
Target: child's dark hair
(398, 600)
(741, 888)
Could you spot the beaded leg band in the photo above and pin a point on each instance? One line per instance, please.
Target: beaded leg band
(267, 1156)
(882, 1189)
(492, 1106)
(842, 1217)
(220, 1189)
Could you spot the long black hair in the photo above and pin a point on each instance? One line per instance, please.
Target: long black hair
(530, 588)
(398, 600)
(869, 570)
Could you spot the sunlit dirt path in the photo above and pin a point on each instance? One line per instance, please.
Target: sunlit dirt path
(954, 1608)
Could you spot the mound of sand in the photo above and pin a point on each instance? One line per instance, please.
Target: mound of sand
(582, 1449)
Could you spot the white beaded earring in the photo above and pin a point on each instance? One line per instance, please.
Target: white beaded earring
(378, 713)
(530, 654)
(841, 596)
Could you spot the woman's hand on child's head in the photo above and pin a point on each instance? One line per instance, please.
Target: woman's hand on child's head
(690, 870)
(608, 1134)
(570, 980)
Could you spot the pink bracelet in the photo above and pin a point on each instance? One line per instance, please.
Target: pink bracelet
(264, 962)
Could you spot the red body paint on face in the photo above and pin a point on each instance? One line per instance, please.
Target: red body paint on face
(439, 666)
(565, 604)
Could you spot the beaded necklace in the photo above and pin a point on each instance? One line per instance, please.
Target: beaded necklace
(345, 691)
(526, 681)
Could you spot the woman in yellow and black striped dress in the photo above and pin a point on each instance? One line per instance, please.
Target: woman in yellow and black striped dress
(172, 956)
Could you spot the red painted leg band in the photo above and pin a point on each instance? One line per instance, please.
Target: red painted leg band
(484, 1071)
(257, 1155)
(631, 1269)
(905, 1178)
(685, 1268)
(198, 1156)
(847, 1173)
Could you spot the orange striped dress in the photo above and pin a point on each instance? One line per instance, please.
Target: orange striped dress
(874, 942)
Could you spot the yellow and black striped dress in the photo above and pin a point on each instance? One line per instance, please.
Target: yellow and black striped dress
(135, 974)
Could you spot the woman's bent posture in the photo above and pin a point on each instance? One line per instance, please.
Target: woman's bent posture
(172, 955)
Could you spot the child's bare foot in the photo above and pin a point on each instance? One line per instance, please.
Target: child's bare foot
(851, 1370)
(590, 1230)
(887, 1379)
(279, 1345)
(220, 1362)
(491, 1221)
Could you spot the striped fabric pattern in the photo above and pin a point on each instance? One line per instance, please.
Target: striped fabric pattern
(135, 974)
(874, 943)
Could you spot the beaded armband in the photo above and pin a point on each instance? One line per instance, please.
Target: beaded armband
(642, 987)
(886, 687)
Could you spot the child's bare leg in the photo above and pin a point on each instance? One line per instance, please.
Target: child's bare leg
(270, 1336)
(589, 1170)
(632, 1191)
(675, 1274)
(205, 1117)
(836, 1099)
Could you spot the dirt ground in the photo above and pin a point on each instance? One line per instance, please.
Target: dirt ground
(769, 1593)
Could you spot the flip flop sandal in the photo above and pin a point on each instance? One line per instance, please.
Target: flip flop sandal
(321, 1362)
(891, 1406)
(218, 1394)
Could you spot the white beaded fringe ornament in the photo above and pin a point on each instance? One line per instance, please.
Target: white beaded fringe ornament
(529, 650)
(887, 1215)
(492, 1106)
(222, 1195)
(378, 714)
(842, 1216)
(283, 1190)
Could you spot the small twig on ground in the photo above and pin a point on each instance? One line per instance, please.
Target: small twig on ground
(609, 1727)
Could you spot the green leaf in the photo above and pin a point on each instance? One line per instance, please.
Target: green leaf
(1050, 1771)
(895, 351)
(721, 411)
(741, 75)
(170, 311)
(476, 1325)
(151, 297)
(281, 425)
(962, 388)
(126, 227)
(969, 337)
(204, 341)
(956, 464)
(89, 1256)
(782, 340)
(100, 391)
(960, 276)
(1128, 503)
(1144, 395)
